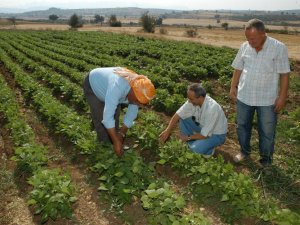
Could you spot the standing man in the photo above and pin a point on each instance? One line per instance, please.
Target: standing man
(261, 65)
(202, 122)
(105, 89)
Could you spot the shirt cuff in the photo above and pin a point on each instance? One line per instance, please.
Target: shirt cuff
(109, 124)
(128, 123)
(204, 132)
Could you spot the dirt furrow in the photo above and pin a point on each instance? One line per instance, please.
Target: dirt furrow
(88, 210)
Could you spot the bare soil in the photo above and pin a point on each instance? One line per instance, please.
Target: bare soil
(13, 207)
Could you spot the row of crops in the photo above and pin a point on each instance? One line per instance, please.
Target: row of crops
(49, 68)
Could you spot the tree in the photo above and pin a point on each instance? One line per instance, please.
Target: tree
(13, 21)
(148, 23)
(99, 19)
(75, 21)
(113, 21)
(53, 17)
(225, 26)
(159, 21)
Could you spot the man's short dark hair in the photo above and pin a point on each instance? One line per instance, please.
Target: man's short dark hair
(257, 24)
(197, 89)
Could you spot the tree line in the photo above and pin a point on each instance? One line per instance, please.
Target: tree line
(147, 21)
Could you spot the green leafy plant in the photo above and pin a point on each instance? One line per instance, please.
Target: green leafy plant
(52, 194)
(163, 203)
(120, 179)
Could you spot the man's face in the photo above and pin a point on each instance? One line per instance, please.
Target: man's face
(255, 38)
(193, 99)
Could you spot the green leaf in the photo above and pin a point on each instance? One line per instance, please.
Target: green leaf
(119, 174)
(146, 204)
(207, 180)
(127, 191)
(176, 223)
(152, 193)
(65, 190)
(136, 169)
(103, 178)
(124, 180)
(102, 188)
(180, 203)
(225, 198)
(202, 170)
(45, 217)
(152, 186)
(31, 202)
(162, 161)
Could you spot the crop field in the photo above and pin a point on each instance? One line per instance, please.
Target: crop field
(216, 37)
(53, 170)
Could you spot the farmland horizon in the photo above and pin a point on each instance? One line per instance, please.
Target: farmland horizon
(32, 9)
(14, 6)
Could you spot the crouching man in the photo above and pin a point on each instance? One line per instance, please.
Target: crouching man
(202, 122)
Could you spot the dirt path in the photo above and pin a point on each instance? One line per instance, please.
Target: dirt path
(13, 208)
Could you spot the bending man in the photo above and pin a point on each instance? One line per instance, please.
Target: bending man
(105, 89)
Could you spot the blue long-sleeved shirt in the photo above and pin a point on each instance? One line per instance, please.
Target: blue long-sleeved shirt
(112, 89)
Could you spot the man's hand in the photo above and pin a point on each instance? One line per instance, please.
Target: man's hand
(118, 148)
(183, 138)
(283, 93)
(167, 132)
(234, 83)
(164, 136)
(117, 140)
(121, 136)
(279, 104)
(233, 93)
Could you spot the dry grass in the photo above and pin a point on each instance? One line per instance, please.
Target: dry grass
(37, 26)
(208, 20)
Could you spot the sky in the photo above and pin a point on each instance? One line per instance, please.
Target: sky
(268, 5)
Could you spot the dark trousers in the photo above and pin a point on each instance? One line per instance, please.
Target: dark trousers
(97, 108)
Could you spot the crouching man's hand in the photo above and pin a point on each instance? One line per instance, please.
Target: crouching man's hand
(164, 136)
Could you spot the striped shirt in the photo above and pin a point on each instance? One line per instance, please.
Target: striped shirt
(210, 116)
(258, 84)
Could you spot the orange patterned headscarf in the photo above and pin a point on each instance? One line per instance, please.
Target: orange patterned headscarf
(142, 87)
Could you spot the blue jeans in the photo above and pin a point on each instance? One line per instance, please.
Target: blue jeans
(266, 120)
(205, 146)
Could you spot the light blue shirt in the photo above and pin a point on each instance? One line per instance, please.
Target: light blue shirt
(112, 89)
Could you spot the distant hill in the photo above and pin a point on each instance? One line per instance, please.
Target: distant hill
(134, 12)
(106, 12)
(268, 16)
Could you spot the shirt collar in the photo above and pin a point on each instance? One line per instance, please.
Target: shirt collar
(266, 44)
(204, 102)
